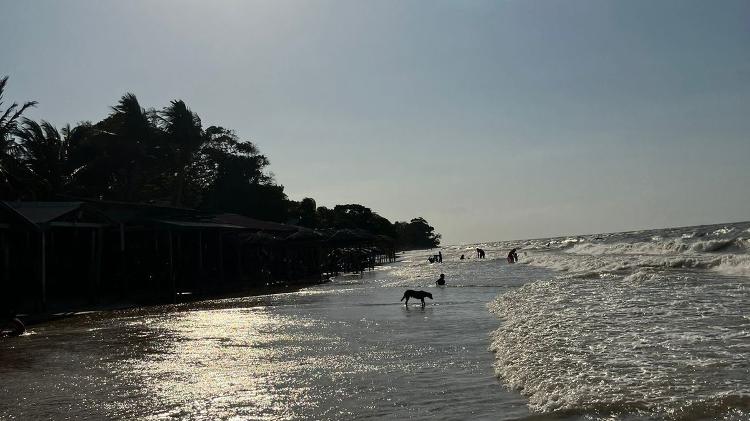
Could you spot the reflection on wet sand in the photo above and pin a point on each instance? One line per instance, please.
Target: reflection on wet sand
(345, 350)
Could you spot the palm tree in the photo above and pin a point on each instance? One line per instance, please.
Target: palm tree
(185, 135)
(127, 137)
(45, 153)
(12, 171)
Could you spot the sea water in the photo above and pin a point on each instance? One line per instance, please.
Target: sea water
(640, 325)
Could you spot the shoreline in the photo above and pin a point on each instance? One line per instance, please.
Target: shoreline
(33, 319)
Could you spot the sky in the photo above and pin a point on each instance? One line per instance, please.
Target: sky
(494, 120)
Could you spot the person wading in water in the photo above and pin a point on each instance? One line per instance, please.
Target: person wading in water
(441, 280)
(512, 256)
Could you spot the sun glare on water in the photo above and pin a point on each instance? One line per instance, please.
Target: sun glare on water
(224, 362)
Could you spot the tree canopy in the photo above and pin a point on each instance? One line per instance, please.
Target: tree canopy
(166, 157)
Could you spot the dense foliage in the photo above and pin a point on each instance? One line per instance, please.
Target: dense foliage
(165, 157)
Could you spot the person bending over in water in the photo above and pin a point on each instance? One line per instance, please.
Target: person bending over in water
(441, 279)
(480, 253)
(512, 256)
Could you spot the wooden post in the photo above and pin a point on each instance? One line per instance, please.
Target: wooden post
(92, 266)
(125, 277)
(99, 239)
(6, 259)
(179, 259)
(171, 269)
(44, 271)
(200, 253)
(221, 259)
(240, 272)
(200, 282)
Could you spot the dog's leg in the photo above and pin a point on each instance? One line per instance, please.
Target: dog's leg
(422, 302)
(407, 302)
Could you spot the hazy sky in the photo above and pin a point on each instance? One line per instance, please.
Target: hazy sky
(493, 120)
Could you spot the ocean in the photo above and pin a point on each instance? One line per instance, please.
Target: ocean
(644, 325)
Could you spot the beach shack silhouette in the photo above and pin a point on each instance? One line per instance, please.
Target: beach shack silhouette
(58, 255)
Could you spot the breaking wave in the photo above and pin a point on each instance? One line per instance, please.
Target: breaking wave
(662, 247)
(711, 248)
(652, 324)
(645, 342)
(588, 266)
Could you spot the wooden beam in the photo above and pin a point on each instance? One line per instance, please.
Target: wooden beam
(76, 225)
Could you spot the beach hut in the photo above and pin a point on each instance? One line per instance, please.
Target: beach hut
(160, 253)
(55, 249)
(305, 250)
(263, 256)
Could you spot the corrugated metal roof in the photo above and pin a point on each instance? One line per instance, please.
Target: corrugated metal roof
(126, 212)
(43, 212)
(255, 224)
(196, 224)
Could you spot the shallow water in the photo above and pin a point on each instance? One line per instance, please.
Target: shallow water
(646, 325)
(344, 350)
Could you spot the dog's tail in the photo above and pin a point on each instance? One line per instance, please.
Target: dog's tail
(402, 298)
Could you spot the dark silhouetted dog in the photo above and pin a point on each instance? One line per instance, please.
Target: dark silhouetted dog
(410, 293)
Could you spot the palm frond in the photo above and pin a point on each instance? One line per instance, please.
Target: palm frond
(8, 120)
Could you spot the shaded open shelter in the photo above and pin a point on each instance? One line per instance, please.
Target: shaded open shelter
(355, 250)
(159, 252)
(50, 249)
(55, 255)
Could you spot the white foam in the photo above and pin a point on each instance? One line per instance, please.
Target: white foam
(723, 231)
(734, 265)
(674, 246)
(587, 266)
(645, 342)
(634, 322)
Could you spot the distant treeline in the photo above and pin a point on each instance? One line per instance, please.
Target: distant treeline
(165, 157)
